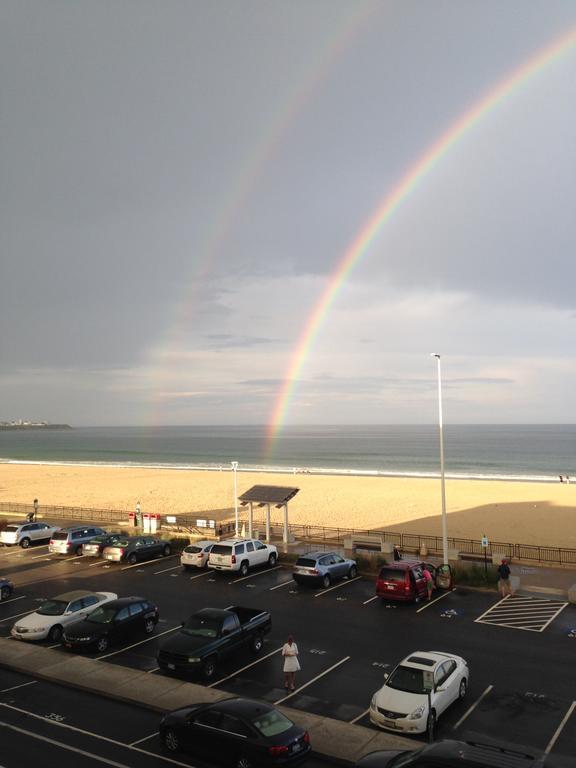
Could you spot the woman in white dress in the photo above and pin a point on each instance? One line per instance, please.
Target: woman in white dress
(291, 664)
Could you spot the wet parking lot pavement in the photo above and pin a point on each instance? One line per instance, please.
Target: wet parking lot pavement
(521, 683)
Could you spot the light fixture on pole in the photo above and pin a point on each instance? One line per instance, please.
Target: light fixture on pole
(234, 469)
(442, 481)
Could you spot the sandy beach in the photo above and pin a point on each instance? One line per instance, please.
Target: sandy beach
(515, 512)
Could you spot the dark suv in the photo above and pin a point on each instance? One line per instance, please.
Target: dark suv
(403, 580)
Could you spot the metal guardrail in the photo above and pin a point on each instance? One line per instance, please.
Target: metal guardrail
(323, 535)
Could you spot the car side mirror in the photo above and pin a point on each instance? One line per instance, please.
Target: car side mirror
(386, 675)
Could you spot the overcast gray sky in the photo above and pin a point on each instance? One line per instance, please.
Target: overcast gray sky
(179, 179)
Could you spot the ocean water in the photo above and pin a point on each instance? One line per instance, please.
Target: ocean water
(522, 452)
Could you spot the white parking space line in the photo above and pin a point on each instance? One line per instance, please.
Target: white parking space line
(146, 562)
(472, 708)
(431, 602)
(166, 569)
(532, 614)
(199, 575)
(558, 730)
(128, 647)
(371, 600)
(360, 716)
(151, 736)
(253, 575)
(61, 744)
(46, 556)
(100, 562)
(12, 599)
(68, 727)
(15, 616)
(19, 551)
(337, 586)
(151, 671)
(301, 688)
(237, 672)
(15, 687)
(284, 584)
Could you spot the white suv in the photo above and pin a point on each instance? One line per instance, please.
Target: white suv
(241, 555)
(25, 533)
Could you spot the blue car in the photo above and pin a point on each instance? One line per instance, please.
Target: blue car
(323, 568)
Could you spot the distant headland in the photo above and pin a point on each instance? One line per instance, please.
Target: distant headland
(22, 424)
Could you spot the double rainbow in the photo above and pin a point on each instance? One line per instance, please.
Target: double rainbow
(370, 231)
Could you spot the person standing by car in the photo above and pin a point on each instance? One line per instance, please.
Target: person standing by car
(291, 663)
(504, 578)
(429, 582)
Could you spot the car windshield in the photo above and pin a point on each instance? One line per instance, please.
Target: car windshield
(272, 723)
(407, 679)
(192, 550)
(98, 539)
(306, 562)
(103, 615)
(222, 549)
(12, 528)
(53, 608)
(198, 626)
(391, 574)
(121, 543)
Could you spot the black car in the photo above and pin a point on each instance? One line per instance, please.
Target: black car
(6, 588)
(134, 548)
(456, 754)
(111, 623)
(238, 732)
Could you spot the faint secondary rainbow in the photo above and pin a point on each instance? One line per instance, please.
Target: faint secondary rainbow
(369, 232)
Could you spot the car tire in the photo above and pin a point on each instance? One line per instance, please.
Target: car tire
(78, 551)
(463, 688)
(55, 634)
(149, 625)
(353, 572)
(209, 668)
(102, 644)
(243, 762)
(5, 593)
(244, 568)
(272, 559)
(132, 558)
(171, 740)
(326, 581)
(167, 550)
(257, 643)
(187, 568)
(431, 726)
(25, 543)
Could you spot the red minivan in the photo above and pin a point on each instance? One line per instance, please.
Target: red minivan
(403, 580)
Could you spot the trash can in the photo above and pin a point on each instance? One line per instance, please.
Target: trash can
(444, 578)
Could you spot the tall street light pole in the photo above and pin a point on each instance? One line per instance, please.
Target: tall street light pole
(234, 468)
(442, 480)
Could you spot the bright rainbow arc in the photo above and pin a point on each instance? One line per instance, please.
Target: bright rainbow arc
(389, 205)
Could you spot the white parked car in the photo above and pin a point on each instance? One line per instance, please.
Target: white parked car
(402, 702)
(241, 554)
(196, 555)
(25, 533)
(59, 612)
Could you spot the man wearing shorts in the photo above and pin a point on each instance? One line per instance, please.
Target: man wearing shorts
(429, 582)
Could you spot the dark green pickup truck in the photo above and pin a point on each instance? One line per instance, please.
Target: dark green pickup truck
(211, 635)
